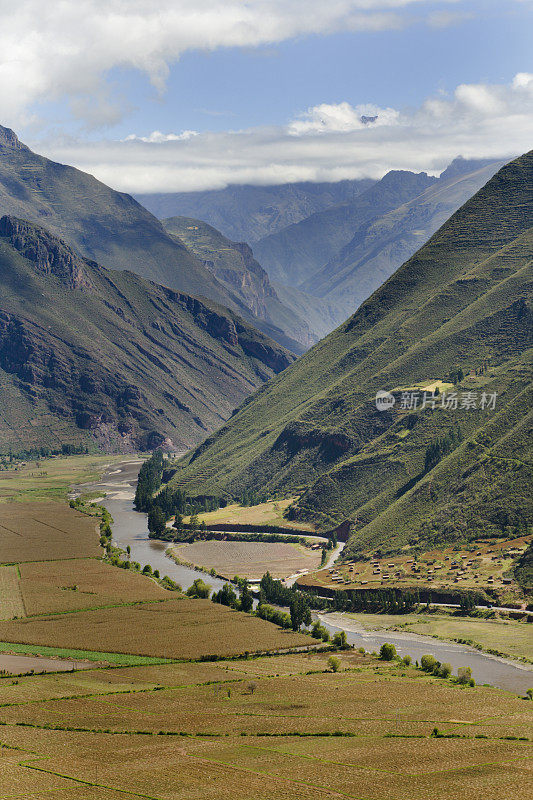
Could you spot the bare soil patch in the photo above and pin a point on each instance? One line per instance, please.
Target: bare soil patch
(248, 559)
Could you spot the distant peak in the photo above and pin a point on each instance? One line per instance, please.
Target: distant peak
(9, 138)
(462, 166)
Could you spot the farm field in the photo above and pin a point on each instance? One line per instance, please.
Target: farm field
(270, 513)
(11, 604)
(259, 728)
(37, 531)
(50, 478)
(481, 566)
(513, 637)
(180, 628)
(55, 586)
(248, 559)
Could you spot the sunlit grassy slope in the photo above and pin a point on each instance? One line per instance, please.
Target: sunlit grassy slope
(462, 301)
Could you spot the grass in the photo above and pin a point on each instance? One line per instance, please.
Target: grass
(506, 636)
(50, 478)
(78, 655)
(270, 513)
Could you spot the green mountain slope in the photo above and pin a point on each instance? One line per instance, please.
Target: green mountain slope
(107, 226)
(95, 355)
(380, 245)
(233, 265)
(461, 304)
(247, 213)
(293, 254)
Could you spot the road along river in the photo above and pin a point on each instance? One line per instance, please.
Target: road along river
(130, 529)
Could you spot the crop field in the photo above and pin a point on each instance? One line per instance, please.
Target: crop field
(249, 559)
(168, 629)
(481, 566)
(54, 586)
(270, 513)
(259, 729)
(38, 531)
(11, 604)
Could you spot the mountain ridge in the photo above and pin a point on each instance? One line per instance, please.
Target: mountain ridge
(462, 303)
(89, 354)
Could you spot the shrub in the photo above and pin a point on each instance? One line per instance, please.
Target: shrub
(428, 663)
(199, 589)
(406, 660)
(387, 651)
(444, 671)
(334, 663)
(464, 675)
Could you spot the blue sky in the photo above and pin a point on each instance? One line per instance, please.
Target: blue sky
(80, 78)
(235, 88)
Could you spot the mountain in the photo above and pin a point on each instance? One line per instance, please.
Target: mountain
(89, 354)
(380, 245)
(247, 213)
(293, 254)
(457, 315)
(106, 226)
(234, 266)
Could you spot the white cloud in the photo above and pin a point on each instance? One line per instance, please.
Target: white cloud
(338, 117)
(156, 137)
(328, 143)
(65, 49)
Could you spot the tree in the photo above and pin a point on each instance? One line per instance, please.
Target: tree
(199, 589)
(340, 641)
(387, 651)
(334, 663)
(252, 686)
(156, 521)
(300, 612)
(247, 598)
(406, 660)
(225, 596)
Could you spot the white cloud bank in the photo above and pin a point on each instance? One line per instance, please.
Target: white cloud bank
(327, 143)
(65, 49)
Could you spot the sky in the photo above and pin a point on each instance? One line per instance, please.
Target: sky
(174, 95)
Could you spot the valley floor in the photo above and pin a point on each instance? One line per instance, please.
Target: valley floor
(143, 714)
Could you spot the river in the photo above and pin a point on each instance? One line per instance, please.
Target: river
(130, 529)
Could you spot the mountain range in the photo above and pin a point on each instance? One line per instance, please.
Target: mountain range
(248, 213)
(92, 355)
(323, 265)
(114, 230)
(455, 317)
